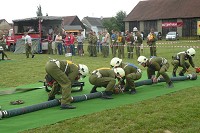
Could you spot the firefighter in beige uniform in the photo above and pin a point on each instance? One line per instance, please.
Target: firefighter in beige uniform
(179, 60)
(132, 73)
(105, 77)
(64, 73)
(154, 64)
(121, 43)
(137, 41)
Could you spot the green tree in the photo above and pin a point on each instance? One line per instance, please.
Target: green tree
(115, 23)
(111, 24)
(39, 11)
(120, 16)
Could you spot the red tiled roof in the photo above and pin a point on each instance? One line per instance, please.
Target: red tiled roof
(164, 9)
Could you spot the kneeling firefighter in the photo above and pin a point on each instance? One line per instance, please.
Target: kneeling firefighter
(105, 77)
(64, 73)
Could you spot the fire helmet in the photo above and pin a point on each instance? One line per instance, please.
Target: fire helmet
(119, 71)
(115, 62)
(83, 69)
(142, 59)
(191, 52)
(135, 29)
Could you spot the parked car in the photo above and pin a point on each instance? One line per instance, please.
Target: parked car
(172, 35)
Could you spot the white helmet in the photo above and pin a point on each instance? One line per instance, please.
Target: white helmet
(191, 52)
(119, 71)
(135, 29)
(115, 62)
(142, 59)
(83, 69)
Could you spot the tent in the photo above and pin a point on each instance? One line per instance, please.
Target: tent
(20, 46)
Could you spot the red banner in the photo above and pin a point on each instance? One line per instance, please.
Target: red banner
(172, 24)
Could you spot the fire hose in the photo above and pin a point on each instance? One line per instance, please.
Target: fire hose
(84, 97)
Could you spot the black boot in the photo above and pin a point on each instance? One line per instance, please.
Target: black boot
(107, 95)
(170, 85)
(181, 74)
(67, 106)
(94, 89)
(133, 91)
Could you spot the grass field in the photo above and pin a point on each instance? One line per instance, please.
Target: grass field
(177, 112)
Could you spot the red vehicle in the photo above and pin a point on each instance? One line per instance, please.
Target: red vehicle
(37, 28)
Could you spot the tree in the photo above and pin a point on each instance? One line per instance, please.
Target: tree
(120, 16)
(39, 11)
(111, 24)
(115, 23)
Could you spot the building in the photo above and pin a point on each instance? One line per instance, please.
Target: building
(4, 27)
(94, 24)
(72, 24)
(182, 16)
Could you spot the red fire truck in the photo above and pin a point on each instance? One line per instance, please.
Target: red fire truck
(37, 28)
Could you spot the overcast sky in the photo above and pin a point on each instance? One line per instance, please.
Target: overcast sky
(19, 9)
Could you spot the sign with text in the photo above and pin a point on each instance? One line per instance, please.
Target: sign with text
(172, 24)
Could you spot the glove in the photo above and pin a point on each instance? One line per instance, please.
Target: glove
(197, 69)
(154, 79)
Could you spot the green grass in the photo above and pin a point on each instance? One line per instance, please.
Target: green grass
(177, 112)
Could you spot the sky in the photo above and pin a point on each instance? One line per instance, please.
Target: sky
(20, 9)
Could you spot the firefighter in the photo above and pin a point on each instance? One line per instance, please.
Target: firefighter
(132, 73)
(121, 43)
(137, 41)
(129, 42)
(105, 77)
(179, 60)
(64, 73)
(2, 48)
(154, 64)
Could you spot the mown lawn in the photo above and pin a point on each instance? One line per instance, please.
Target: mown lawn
(177, 112)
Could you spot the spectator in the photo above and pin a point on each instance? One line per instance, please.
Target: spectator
(59, 42)
(80, 40)
(151, 41)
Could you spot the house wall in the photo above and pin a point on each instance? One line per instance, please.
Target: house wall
(189, 28)
(4, 27)
(126, 26)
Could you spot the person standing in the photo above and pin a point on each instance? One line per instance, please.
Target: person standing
(114, 43)
(105, 77)
(89, 49)
(120, 43)
(50, 40)
(28, 45)
(59, 43)
(105, 44)
(179, 60)
(72, 45)
(151, 41)
(3, 47)
(132, 73)
(80, 40)
(138, 41)
(94, 45)
(154, 64)
(129, 42)
(64, 74)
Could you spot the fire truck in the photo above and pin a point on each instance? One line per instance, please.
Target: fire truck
(37, 28)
